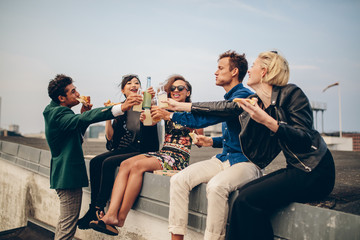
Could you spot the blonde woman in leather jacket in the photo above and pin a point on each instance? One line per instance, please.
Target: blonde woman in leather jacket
(279, 120)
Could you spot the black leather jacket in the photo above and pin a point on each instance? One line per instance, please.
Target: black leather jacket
(301, 144)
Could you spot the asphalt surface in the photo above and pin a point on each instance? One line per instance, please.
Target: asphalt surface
(345, 197)
(29, 232)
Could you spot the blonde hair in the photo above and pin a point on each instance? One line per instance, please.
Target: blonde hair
(277, 68)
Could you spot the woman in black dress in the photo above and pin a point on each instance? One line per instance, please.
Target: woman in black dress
(125, 137)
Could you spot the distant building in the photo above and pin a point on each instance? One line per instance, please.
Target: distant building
(96, 131)
(355, 139)
(5, 133)
(35, 135)
(318, 107)
(213, 131)
(14, 128)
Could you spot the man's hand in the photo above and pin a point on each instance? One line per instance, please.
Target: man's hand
(158, 113)
(204, 141)
(86, 107)
(143, 117)
(259, 115)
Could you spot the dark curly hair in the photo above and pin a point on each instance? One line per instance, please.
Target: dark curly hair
(57, 86)
(172, 79)
(236, 61)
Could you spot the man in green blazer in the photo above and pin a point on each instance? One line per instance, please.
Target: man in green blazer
(64, 132)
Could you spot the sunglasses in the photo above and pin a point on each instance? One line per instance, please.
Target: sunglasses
(180, 88)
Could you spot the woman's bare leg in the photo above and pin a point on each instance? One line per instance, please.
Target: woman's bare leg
(134, 184)
(117, 195)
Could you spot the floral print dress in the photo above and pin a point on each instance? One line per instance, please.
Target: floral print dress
(175, 153)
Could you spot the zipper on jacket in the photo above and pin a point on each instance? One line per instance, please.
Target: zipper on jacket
(242, 149)
(307, 168)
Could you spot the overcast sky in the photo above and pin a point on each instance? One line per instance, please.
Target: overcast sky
(96, 42)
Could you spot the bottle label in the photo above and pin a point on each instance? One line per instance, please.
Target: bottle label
(147, 100)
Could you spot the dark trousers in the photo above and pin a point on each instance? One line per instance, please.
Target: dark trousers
(259, 198)
(102, 174)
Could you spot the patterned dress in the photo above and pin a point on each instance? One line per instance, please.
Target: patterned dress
(175, 153)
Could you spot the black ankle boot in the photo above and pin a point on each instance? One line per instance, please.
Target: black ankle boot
(83, 223)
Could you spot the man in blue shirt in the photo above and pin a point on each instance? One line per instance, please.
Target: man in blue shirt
(224, 172)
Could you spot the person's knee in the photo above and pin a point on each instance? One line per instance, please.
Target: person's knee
(126, 166)
(216, 188)
(244, 197)
(174, 179)
(108, 164)
(240, 199)
(240, 205)
(96, 162)
(138, 168)
(179, 180)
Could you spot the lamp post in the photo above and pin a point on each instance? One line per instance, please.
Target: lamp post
(332, 85)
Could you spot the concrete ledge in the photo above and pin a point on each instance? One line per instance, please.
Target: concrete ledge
(29, 153)
(152, 207)
(154, 199)
(45, 171)
(10, 158)
(10, 148)
(296, 221)
(45, 158)
(26, 157)
(302, 221)
(158, 193)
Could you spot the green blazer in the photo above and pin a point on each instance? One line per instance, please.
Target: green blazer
(64, 132)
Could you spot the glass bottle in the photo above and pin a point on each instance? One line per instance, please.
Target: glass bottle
(147, 104)
(162, 96)
(138, 108)
(147, 95)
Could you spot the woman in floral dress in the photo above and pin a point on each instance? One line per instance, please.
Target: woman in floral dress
(174, 155)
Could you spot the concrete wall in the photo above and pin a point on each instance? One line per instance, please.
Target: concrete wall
(336, 143)
(25, 194)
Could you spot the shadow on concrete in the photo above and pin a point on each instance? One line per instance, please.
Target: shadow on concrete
(30, 232)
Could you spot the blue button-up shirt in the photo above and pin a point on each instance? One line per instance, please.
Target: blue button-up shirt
(229, 141)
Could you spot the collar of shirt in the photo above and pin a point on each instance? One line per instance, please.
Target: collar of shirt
(229, 94)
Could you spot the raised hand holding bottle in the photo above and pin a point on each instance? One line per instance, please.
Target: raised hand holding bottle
(138, 108)
(162, 96)
(147, 104)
